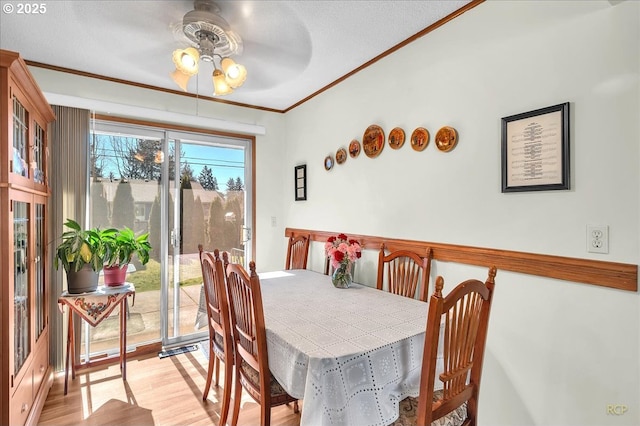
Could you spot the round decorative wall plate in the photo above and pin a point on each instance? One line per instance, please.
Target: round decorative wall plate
(446, 138)
(328, 162)
(373, 141)
(396, 138)
(341, 156)
(419, 139)
(354, 148)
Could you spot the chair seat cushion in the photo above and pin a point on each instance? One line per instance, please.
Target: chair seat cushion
(409, 413)
(252, 375)
(218, 344)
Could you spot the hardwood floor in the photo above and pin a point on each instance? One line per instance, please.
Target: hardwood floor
(157, 392)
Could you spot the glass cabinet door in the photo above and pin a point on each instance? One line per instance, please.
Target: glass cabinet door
(22, 341)
(38, 154)
(20, 139)
(40, 317)
(29, 150)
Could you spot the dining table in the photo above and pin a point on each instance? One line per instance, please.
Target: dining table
(351, 355)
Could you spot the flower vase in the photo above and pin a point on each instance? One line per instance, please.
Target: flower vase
(342, 276)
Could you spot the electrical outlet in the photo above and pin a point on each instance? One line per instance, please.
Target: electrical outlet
(598, 239)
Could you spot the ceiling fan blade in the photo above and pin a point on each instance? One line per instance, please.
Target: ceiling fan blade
(271, 57)
(269, 66)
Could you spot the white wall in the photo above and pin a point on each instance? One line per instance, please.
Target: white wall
(558, 352)
(269, 146)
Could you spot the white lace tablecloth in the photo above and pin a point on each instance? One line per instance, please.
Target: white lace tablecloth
(351, 354)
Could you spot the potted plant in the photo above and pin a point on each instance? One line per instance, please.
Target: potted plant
(82, 254)
(122, 246)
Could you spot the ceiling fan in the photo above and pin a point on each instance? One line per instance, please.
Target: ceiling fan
(272, 39)
(211, 37)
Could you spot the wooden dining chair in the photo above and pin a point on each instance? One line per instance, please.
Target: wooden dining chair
(219, 322)
(297, 252)
(407, 272)
(464, 316)
(250, 342)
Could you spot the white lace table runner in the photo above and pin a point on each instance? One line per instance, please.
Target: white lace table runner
(350, 354)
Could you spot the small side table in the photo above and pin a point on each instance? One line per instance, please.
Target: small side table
(93, 308)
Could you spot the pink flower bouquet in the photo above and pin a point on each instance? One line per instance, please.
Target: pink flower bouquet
(342, 251)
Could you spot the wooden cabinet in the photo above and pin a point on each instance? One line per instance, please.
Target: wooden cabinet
(26, 374)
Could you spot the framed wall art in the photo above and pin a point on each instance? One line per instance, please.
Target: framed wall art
(535, 150)
(300, 178)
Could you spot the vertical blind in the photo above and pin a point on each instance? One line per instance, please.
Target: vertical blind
(68, 178)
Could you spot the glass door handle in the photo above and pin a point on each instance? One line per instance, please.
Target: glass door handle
(175, 238)
(246, 234)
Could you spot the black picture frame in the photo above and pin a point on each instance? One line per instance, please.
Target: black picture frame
(535, 150)
(300, 179)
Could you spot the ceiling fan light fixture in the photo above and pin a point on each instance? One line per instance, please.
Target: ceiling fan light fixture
(180, 78)
(189, 59)
(220, 84)
(210, 36)
(235, 73)
(186, 60)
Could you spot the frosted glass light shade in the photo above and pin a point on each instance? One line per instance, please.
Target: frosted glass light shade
(235, 73)
(180, 78)
(186, 62)
(220, 85)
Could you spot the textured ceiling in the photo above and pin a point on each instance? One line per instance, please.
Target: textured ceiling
(291, 48)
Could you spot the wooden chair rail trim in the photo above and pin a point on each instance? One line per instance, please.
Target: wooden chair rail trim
(621, 276)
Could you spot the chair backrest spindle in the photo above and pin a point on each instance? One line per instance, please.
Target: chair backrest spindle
(297, 252)
(406, 271)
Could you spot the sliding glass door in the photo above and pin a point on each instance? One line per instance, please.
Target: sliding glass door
(126, 180)
(207, 205)
(184, 189)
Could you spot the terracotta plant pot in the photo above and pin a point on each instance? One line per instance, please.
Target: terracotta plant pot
(115, 275)
(83, 281)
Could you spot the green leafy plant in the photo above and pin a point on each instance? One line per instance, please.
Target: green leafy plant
(80, 247)
(123, 245)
